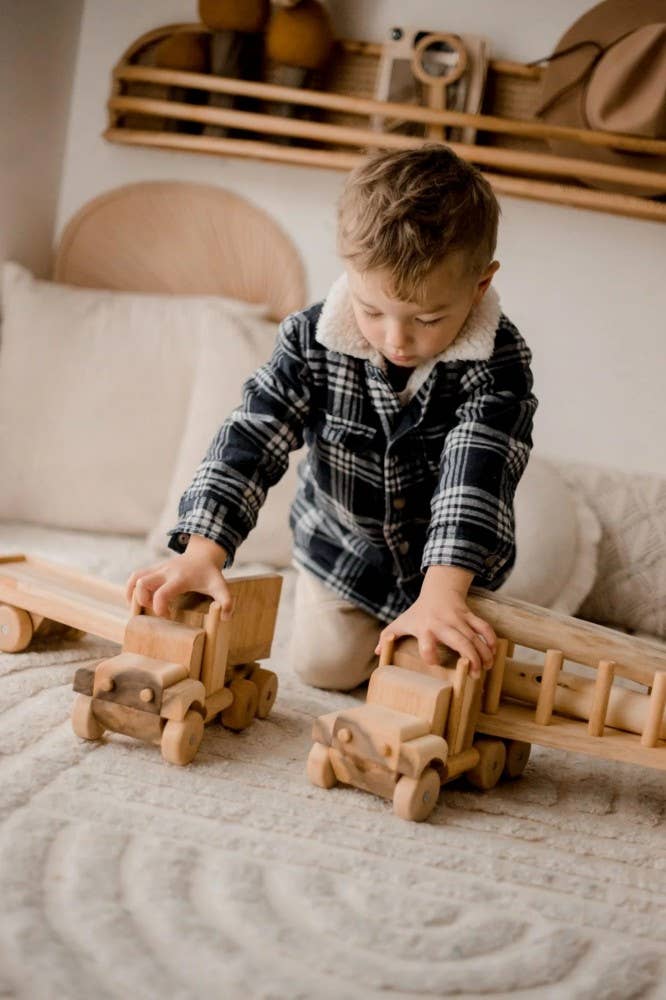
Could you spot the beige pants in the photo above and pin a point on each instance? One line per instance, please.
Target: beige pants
(333, 642)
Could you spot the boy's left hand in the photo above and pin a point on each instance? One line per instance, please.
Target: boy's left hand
(441, 614)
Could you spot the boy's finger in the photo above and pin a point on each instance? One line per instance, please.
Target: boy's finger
(222, 594)
(484, 650)
(483, 628)
(456, 640)
(131, 582)
(163, 595)
(428, 650)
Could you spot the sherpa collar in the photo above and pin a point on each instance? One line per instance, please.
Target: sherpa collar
(338, 330)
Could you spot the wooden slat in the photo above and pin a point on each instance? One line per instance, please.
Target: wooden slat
(549, 678)
(516, 722)
(611, 202)
(363, 106)
(655, 715)
(516, 160)
(495, 678)
(602, 690)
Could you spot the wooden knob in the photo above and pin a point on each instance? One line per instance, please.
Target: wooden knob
(344, 735)
(146, 694)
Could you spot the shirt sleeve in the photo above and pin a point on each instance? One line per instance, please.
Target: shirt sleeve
(484, 456)
(250, 452)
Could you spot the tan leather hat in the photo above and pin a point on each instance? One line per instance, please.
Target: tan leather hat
(608, 72)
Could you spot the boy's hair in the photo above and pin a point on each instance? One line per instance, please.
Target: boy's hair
(405, 211)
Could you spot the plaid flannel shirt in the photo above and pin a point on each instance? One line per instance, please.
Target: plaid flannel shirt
(392, 482)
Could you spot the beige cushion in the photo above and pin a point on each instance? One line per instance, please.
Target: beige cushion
(247, 341)
(94, 389)
(557, 541)
(630, 589)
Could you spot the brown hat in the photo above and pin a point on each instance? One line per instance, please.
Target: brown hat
(608, 72)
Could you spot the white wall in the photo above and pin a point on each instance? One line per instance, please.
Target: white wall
(38, 43)
(586, 289)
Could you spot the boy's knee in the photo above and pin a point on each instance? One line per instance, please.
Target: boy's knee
(330, 670)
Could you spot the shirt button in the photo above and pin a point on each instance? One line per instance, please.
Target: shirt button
(399, 503)
(403, 548)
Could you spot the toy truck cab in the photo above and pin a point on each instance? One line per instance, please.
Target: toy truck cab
(415, 732)
(174, 675)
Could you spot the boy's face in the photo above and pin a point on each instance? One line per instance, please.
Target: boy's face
(409, 333)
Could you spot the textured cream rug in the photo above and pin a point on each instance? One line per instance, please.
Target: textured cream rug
(121, 876)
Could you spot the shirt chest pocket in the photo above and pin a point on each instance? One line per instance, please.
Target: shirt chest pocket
(349, 434)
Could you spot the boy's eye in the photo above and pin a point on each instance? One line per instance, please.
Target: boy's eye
(429, 322)
(372, 315)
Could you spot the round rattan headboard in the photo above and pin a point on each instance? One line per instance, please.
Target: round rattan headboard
(172, 236)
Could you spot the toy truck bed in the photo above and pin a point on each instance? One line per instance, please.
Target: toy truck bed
(34, 593)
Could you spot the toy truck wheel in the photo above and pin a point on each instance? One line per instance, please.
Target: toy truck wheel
(243, 708)
(15, 629)
(84, 723)
(181, 740)
(415, 798)
(266, 683)
(517, 756)
(319, 768)
(488, 771)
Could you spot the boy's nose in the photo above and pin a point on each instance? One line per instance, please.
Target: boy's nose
(396, 338)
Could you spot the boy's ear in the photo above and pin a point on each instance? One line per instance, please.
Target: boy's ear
(484, 281)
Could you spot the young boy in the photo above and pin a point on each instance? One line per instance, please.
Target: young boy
(413, 393)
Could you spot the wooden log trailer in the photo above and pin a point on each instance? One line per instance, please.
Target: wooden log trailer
(172, 675)
(422, 726)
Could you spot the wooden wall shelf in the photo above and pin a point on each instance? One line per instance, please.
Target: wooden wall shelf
(156, 107)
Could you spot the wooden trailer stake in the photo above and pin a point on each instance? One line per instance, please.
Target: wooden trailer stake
(551, 670)
(602, 690)
(462, 670)
(495, 678)
(386, 657)
(655, 710)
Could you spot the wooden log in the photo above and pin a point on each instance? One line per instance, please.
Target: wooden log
(546, 700)
(627, 710)
(601, 696)
(495, 678)
(655, 715)
(580, 641)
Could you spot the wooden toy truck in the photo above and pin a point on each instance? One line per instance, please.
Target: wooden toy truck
(423, 726)
(173, 675)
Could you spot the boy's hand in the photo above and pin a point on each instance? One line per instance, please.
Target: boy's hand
(197, 569)
(441, 614)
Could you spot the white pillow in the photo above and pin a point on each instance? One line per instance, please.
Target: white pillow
(557, 542)
(217, 391)
(94, 389)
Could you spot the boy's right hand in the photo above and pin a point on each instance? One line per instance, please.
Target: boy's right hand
(197, 569)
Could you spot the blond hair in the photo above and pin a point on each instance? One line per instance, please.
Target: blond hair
(405, 211)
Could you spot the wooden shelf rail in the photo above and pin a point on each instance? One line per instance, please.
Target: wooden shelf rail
(524, 173)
